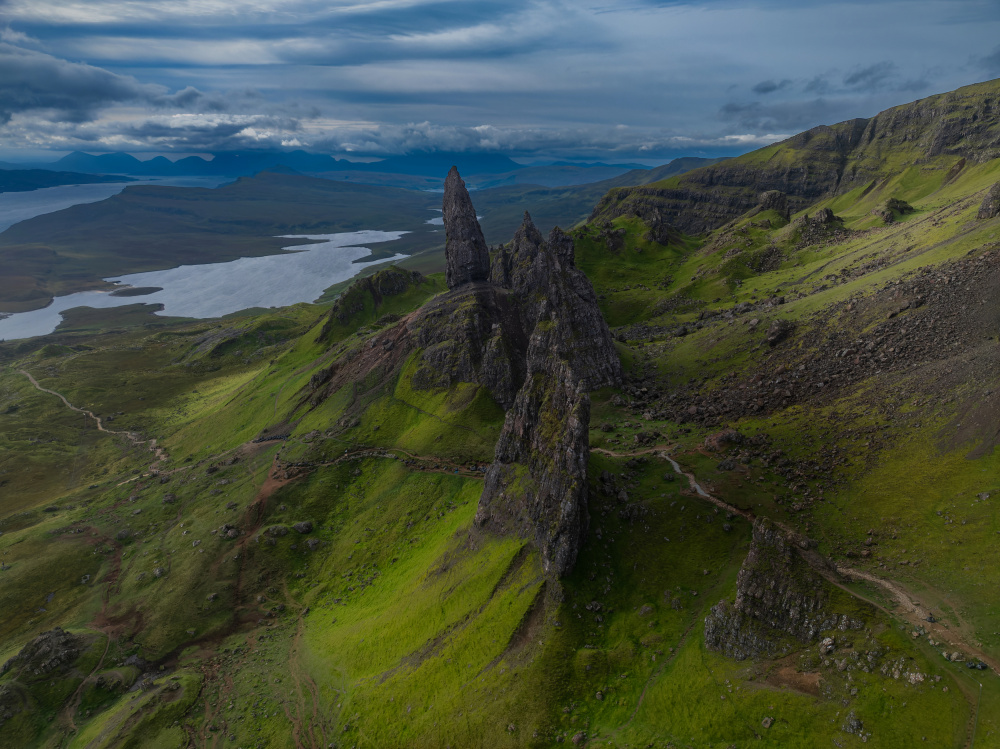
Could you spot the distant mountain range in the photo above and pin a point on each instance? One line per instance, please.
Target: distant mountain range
(415, 171)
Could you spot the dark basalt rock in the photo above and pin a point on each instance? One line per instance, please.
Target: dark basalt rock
(472, 334)
(824, 216)
(537, 486)
(781, 600)
(511, 266)
(778, 331)
(50, 651)
(467, 257)
(533, 334)
(990, 207)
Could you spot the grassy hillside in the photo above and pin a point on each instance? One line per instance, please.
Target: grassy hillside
(935, 133)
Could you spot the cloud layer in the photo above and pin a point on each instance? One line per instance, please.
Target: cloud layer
(548, 78)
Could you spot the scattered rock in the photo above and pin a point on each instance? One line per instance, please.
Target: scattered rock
(853, 724)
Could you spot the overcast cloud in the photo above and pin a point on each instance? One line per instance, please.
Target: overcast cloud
(635, 80)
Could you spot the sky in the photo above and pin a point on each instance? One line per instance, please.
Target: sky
(633, 81)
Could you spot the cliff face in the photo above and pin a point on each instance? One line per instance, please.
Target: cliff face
(823, 161)
(531, 331)
(780, 599)
(537, 485)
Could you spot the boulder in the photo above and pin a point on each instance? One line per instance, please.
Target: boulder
(990, 207)
(774, 200)
(779, 331)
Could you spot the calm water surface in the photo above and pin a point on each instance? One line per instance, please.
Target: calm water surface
(211, 290)
(18, 206)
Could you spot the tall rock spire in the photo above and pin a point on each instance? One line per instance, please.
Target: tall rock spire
(466, 254)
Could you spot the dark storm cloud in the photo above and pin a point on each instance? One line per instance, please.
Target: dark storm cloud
(619, 80)
(76, 92)
(871, 78)
(782, 117)
(31, 80)
(769, 87)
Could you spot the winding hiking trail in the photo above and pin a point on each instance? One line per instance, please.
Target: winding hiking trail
(907, 608)
(136, 439)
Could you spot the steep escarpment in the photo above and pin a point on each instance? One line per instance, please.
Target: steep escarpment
(824, 161)
(780, 598)
(530, 330)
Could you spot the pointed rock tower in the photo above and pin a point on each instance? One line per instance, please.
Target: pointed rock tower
(468, 258)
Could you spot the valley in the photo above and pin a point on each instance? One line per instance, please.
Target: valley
(713, 465)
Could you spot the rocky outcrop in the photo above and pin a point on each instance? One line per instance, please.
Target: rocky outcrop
(370, 292)
(781, 599)
(467, 257)
(525, 324)
(532, 333)
(774, 200)
(472, 334)
(512, 265)
(50, 651)
(990, 207)
(537, 485)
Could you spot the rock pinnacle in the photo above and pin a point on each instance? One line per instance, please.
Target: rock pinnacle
(466, 254)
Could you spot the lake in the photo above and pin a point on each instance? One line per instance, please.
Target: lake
(300, 274)
(19, 206)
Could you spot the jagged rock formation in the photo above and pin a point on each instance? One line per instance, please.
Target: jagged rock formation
(537, 485)
(824, 161)
(534, 335)
(781, 598)
(49, 651)
(471, 334)
(527, 326)
(990, 207)
(467, 257)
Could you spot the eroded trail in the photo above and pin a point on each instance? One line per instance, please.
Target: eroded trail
(136, 439)
(907, 608)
